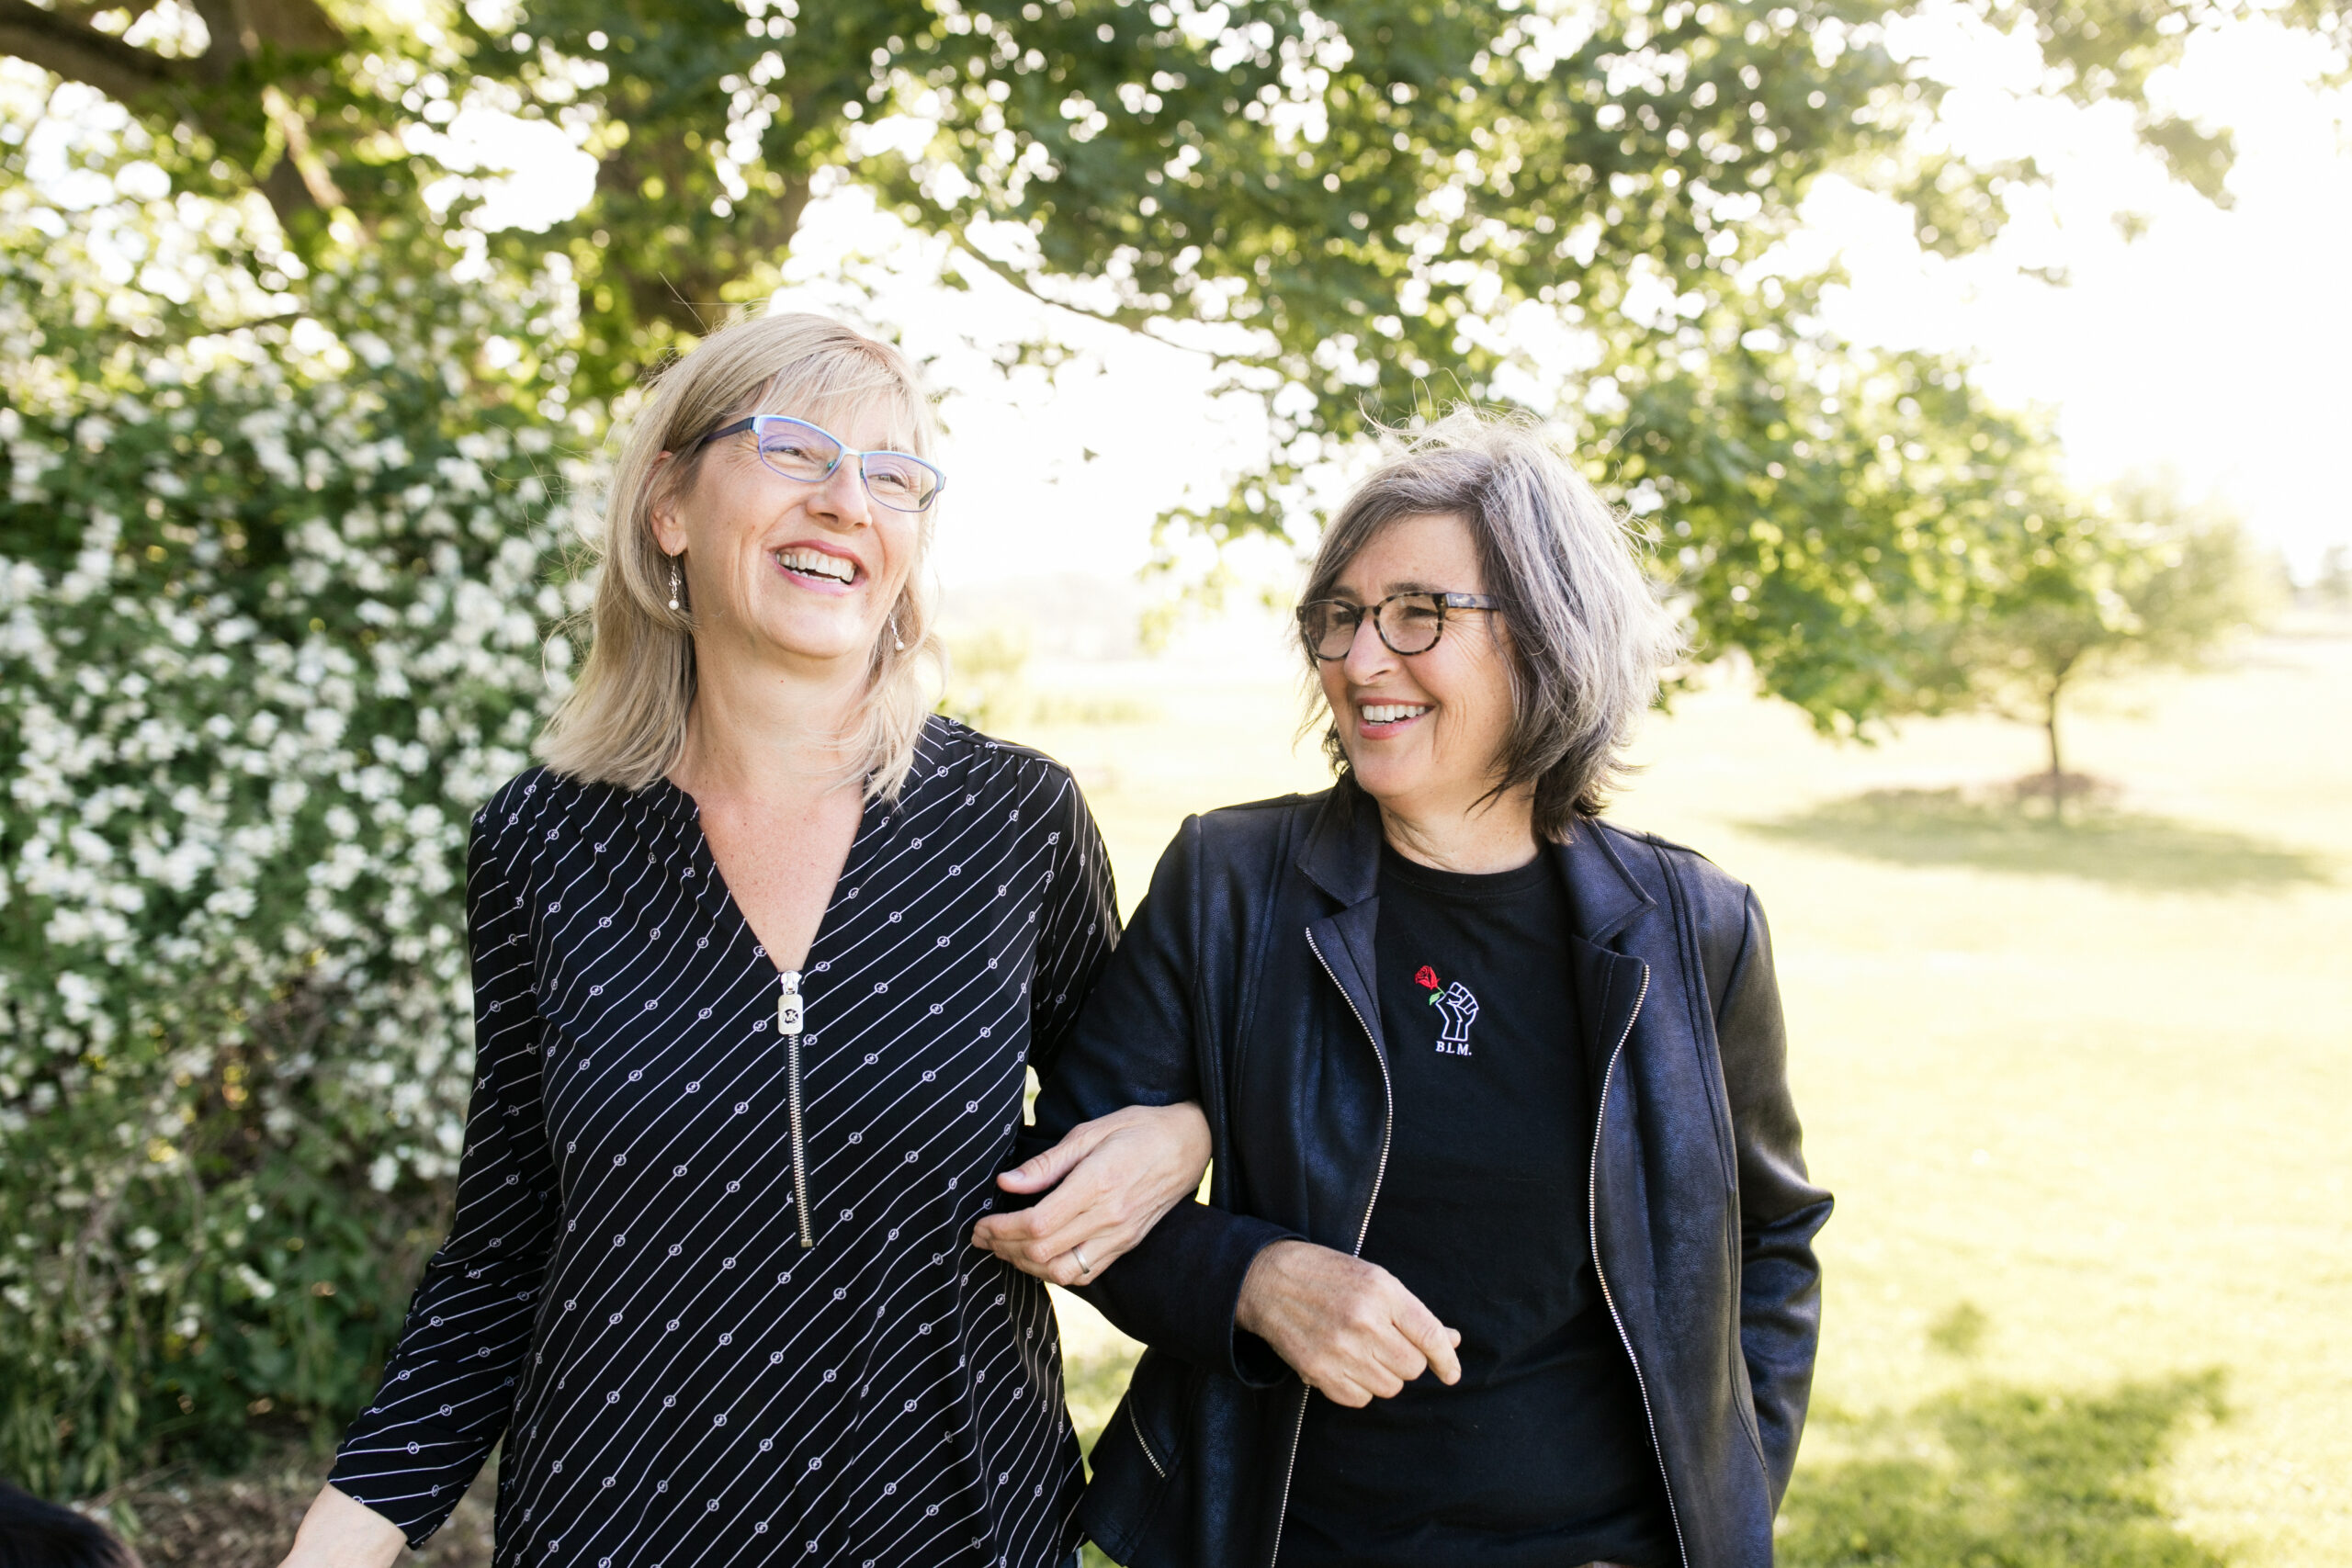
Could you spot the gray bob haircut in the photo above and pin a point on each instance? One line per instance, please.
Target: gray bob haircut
(1586, 640)
(625, 722)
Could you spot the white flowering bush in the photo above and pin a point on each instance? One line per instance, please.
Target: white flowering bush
(272, 611)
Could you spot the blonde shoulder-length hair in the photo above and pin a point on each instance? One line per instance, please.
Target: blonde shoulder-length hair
(625, 722)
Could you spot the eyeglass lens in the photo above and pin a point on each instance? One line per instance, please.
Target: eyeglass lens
(803, 452)
(1408, 623)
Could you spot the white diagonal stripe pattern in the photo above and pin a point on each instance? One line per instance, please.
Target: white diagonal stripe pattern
(623, 1296)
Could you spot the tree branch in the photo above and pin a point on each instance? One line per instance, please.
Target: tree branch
(318, 186)
(294, 27)
(1140, 326)
(123, 71)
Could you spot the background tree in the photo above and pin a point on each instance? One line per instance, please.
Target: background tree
(1350, 210)
(2332, 586)
(2145, 580)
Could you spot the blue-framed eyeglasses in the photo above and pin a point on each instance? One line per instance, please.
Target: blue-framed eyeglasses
(799, 450)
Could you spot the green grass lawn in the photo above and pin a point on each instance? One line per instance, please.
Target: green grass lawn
(2082, 1094)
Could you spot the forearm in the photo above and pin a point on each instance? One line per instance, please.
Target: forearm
(341, 1532)
(1180, 1289)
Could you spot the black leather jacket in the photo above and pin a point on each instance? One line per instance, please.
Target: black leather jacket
(1245, 983)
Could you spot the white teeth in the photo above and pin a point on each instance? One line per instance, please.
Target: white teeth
(816, 563)
(1389, 713)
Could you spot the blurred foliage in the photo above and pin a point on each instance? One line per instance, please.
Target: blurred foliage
(986, 669)
(2331, 587)
(1356, 212)
(988, 688)
(272, 602)
(2103, 51)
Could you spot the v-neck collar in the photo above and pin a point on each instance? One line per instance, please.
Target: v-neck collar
(877, 821)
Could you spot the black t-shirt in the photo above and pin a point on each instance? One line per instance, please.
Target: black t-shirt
(1541, 1454)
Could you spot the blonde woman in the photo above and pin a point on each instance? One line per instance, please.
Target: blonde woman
(759, 958)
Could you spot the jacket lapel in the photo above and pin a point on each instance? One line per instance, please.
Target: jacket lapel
(1603, 899)
(1343, 941)
(1341, 856)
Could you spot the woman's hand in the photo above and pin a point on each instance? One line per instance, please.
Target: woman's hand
(1116, 1175)
(339, 1532)
(1348, 1327)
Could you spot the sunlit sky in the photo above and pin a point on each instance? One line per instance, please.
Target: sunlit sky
(2214, 345)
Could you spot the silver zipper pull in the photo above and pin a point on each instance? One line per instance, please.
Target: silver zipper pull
(788, 1008)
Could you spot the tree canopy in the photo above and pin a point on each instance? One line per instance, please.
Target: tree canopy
(1354, 210)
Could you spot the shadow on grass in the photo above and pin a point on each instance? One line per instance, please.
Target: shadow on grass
(1947, 827)
(1996, 1477)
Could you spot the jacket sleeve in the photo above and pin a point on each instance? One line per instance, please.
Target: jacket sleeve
(1078, 929)
(449, 1386)
(1143, 1039)
(1780, 1209)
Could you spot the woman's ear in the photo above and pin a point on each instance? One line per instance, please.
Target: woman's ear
(662, 515)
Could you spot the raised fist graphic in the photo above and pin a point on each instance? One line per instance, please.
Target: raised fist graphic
(1461, 1009)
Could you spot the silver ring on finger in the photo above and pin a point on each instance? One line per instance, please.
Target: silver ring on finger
(1084, 1268)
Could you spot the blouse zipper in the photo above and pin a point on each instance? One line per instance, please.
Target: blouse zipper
(789, 1011)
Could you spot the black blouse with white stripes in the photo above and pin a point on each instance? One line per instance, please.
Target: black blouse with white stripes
(624, 1295)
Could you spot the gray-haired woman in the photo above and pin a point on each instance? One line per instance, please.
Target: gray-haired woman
(1506, 1168)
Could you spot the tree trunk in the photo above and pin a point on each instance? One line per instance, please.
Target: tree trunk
(2057, 767)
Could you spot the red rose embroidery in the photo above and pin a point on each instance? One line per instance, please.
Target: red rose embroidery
(1427, 978)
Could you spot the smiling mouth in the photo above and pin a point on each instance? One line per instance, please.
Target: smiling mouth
(1391, 713)
(818, 564)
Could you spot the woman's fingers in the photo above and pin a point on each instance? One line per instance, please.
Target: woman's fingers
(1433, 1341)
(1081, 1213)
(1349, 1328)
(1040, 1172)
(1112, 1180)
(1340, 1389)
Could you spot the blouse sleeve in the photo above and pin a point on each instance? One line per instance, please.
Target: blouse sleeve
(449, 1386)
(1080, 925)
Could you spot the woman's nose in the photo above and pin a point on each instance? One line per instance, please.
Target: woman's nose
(1368, 656)
(842, 496)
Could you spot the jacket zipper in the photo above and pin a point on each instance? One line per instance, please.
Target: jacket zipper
(1380, 1172)
(1135, 1421)
(1592, 1221)
(789, 1012)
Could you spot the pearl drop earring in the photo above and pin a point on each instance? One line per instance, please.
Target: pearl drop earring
(897, 642)
(674, 585)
